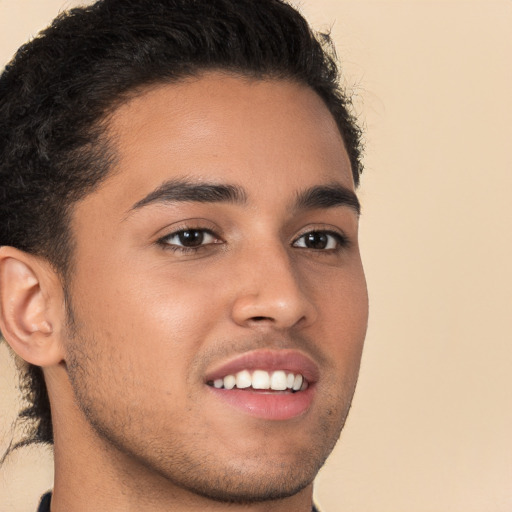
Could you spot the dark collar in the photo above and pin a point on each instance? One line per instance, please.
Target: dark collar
(44, 505)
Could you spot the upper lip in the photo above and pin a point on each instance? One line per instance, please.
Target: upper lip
(270, 360)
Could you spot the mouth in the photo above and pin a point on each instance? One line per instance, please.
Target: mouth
(268, 384)
(262, 380)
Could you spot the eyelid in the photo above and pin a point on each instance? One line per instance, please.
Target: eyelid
(343, 241)
(186, 225)
(202, 225)
(177, 233)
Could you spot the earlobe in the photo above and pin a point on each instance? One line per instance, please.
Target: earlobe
(29, 320)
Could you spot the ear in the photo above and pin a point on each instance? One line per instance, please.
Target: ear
(31, 307)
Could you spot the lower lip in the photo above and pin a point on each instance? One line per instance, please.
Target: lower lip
(268, 406)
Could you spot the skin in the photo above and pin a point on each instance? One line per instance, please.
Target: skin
(136, 428)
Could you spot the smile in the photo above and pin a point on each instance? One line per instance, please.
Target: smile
(276, 385)
(279, 380)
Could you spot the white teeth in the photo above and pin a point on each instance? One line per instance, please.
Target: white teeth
(260, 380)
(278, 381)
(297, 383)
(229, 381)
(243, 379)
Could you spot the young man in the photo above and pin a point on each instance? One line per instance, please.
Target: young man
(179, 263)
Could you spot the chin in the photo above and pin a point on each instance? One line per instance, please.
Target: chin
(244, 487)
(246, 477)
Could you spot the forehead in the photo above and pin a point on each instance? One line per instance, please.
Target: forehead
(270, 137)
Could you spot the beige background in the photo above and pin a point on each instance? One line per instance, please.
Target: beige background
(431, 425)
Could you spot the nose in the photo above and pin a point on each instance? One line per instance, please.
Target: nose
(270, 292)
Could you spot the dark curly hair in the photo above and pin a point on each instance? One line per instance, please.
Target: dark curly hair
(57, 92)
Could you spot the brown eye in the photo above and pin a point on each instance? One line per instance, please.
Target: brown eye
(316, 240)
(320, 240)
(190, 238)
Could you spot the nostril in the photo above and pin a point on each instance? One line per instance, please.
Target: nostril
(260, 318)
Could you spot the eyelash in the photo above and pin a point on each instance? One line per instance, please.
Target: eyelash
(164, 241)
(341, 240)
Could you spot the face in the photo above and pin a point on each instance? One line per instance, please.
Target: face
(220, 258)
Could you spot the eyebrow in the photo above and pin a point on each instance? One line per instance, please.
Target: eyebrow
(327, 196)
(185, 191)
(321, 196)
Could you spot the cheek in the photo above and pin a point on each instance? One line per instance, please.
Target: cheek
(146, 327)
(342, 304)
(146, 298)
(340, 295)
